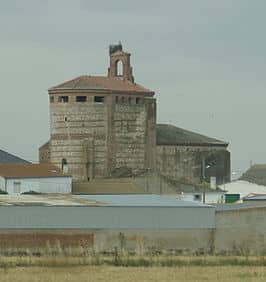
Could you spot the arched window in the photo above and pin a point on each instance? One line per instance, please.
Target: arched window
(119, 68)
(64, 166)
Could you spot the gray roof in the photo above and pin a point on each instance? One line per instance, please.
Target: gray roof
(230, 207)
(141, 201)
(255, 198)
(255, 174)
(171, 135)
(7, 158)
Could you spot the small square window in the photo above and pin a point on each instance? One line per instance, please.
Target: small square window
(81, 99)
(63, 99)
(98, 99)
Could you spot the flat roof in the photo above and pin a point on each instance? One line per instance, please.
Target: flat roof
(97, 200)
(141, 200)
(230, 207)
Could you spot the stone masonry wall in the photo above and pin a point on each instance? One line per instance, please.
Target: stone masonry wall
(134, 134)
(185, 162)
(98, 138)
(75, 127)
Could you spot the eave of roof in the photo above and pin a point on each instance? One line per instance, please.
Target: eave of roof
(100, 83)
(30, 171)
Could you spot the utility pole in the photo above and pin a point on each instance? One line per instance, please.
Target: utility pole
(161, 188)
(203, 178)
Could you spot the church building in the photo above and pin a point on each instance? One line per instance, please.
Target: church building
(105, 127)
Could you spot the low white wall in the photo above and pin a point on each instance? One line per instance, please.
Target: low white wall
(2, 183)
(42, 185)
(210, 198)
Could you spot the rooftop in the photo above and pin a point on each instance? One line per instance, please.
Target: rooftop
(97, 200)
(255, 174)
(6, 158)
(29, 170)
(87, 82)
(141, 200)
(171, 135)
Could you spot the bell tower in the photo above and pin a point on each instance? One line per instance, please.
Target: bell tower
(120, 63)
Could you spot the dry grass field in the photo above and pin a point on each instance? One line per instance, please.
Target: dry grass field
(130, 274)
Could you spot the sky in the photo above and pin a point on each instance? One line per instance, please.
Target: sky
(205, 60)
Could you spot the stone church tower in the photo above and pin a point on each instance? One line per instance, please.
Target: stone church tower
(102, 125)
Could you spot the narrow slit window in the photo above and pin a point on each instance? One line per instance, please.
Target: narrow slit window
(51, 99)
(99, 99)
(137, 100)
(63, 99)
(81, 99)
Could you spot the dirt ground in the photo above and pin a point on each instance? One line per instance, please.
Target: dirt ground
(130, 274)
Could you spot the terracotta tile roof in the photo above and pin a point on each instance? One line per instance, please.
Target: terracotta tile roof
(87, 82)
(29, 170)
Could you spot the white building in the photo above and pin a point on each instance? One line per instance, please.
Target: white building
(42, 178)
(211, 197)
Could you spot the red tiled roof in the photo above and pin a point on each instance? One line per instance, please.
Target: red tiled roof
(87, 82)
(29, 170)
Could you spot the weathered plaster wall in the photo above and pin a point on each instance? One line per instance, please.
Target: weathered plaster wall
(242, 230)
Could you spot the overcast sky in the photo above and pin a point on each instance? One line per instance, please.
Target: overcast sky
(205, 59)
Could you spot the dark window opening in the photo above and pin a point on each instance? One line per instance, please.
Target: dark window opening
(137, 100)
(81, 98)
(197, 197)
(51, 99)
(65, 118)
(123, 99)
(63, 99)
(98, 99)
(64, 166)
(116, 99)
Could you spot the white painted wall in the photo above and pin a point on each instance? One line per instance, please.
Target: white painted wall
(2, 183)
(42, 185)
(210, 198)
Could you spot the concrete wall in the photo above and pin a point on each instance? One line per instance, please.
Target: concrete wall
(42, 185)
(185, 162)
(142, 240)
(241, 230)
(106, 217)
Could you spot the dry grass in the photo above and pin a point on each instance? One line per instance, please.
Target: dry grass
(121, 274)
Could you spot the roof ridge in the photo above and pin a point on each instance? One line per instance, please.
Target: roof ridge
(190, 139)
